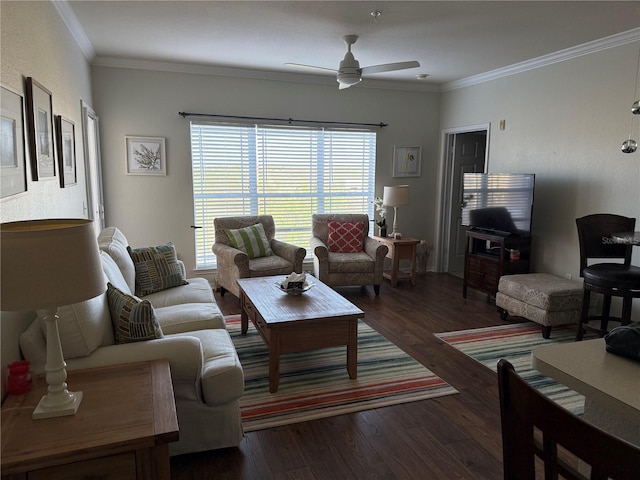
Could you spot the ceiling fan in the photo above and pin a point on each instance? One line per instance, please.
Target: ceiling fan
(349, 73)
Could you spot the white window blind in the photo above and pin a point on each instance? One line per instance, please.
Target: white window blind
(287, 172)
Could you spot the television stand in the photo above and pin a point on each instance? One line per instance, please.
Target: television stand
(489, 256)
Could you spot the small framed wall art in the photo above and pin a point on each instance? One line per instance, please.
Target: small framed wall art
(406, 161)
(13, 167)
(66, 144)
(40, 130)
(145, 156)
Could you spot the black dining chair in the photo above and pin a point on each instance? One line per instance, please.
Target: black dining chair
(526, 415)
(609, 279)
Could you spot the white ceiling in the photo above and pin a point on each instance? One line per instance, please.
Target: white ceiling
(452, 40)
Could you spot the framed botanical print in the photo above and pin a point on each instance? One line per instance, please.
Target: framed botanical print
(145, 156)
(13, 168)
(40, 130)
(406, 161)
(66, 145)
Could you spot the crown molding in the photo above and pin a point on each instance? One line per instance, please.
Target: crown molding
(246, 73)
(73, 25)
(612, 41)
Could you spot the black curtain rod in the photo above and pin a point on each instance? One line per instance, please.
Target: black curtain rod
(288, 120)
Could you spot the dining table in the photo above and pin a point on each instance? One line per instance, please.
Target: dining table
(609, 382)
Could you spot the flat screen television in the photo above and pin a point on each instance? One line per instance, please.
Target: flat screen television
(498, 202)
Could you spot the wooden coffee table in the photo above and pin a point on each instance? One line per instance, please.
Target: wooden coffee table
(319, 318)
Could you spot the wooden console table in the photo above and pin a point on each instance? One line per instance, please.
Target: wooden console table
(400, 249)
(122, 430)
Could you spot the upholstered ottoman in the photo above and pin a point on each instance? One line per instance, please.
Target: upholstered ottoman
(541, 298)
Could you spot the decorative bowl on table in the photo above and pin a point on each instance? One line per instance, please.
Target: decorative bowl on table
(295, 290)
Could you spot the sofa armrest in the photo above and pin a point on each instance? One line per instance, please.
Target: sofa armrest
(290, 252)
(183, 352)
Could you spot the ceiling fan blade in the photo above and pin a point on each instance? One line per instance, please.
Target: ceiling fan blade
(389, 67)
(313, 67)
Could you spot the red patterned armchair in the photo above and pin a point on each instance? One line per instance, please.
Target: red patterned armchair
(343, 252)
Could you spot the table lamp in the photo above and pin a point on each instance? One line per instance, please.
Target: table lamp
(47, 264)
(396, 196)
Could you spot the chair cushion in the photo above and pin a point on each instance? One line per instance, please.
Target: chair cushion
(133, 319)
(613, 275)
(266, 266)
(358, 262)
(156, 268)
(345, 237)
(251, 240)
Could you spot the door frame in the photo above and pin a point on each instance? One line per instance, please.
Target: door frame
(443, 197)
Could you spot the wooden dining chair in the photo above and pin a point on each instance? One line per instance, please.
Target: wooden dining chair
(523, 410)
(609, 279)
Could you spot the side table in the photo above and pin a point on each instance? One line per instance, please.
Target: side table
(122, 430)
(400, 249)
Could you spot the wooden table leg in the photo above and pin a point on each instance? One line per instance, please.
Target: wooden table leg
(395, 268)
(244, 318)
(352, 350)
(274, 360)
(413, 264)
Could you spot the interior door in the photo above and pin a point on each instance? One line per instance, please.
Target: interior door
(94, 170)
(469, 151)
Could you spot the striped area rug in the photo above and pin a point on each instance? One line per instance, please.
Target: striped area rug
(515, 342)
(315, 384)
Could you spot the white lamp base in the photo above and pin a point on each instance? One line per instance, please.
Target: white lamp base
(69, 408)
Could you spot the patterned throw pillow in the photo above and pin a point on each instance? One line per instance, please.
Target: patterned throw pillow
(345, 237)
(133, 320)
(251, 240)
(157, 268)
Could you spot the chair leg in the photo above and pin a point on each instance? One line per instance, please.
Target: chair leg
(584, 314)
(222, 291)
(606, 310)
(376, 289)
(546, 331)
(627, 302)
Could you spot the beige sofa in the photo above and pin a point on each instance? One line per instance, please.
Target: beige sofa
(364, 267)
(207, 376)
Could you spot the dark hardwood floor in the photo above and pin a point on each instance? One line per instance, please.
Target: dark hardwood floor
(456, 436)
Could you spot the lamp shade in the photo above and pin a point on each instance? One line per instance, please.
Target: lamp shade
(48, 263)
(396, 196)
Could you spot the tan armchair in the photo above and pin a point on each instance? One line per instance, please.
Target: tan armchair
(234, 263)
(341, 269)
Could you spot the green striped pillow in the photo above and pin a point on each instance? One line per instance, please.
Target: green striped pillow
(250, 240)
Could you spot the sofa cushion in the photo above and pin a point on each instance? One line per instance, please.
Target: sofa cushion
(156, 268)
(133, 319)
(359, 262)
(251, 240)
(188, 317)
(345, 237)
(197, 291)
(113, 273)
(113, 241)
(83, 326)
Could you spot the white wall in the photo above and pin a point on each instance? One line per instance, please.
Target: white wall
(565, 123)
(153, 210)
(52, 58)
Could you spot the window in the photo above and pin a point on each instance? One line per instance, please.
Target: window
(286, 172)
